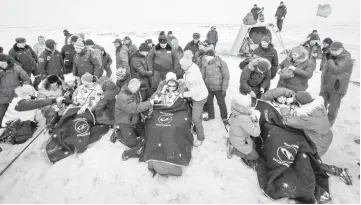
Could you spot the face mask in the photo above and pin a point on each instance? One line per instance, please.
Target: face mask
(209, 58)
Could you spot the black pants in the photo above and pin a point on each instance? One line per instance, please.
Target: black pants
(221, 103)
(3, 108)
(279, 24)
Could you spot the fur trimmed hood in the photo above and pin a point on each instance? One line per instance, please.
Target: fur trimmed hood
(241, 104)
(254, 62)
(315, 108)
(16, 48)
(302, 58)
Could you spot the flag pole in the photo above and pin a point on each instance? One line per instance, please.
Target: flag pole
(314, 24)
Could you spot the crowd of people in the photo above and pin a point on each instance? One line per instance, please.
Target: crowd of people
(157, 75)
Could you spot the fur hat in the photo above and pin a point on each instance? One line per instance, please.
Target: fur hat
(50, 43)
(196, 36)
(87, 77)
(52, 79)
(336, 45)
(144, 47)
(297, 50)
(210, 53)
(328, 41)
(20, 40)
(170, 76)
(89, 42)
(303, 97)
(267, 39)
(24, 91)
(262, 66)
(314, 37)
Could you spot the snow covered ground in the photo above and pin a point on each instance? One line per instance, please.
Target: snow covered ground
(100, 176)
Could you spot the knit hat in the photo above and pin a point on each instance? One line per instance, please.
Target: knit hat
(303, 97)
(297, 50)
(89, 42)
(144, 47)
(24, 91)
(196, 35)
(336, 45)
(87, 77)
(170, 32)
(162, 39)
(175, 42)
(267, 39)
(314, 37)
(262, 66)
(20, 40)
(162, 33)
(52, 79)
(328, 41)
(148, 41)
(126, 38)
(3, 57)
(79, 45)
(170, 76)
(210, 53)
(74, 38)
(50, 43)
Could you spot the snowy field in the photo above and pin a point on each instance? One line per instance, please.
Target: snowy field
(100, 176)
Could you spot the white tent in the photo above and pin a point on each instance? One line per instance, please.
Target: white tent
(249, 37)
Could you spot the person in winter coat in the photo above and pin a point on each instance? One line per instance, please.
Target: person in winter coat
(11, 77)
(170, 37)
(20, 117)
(68, 53)
(244, 123)
(255, 11)
(67, 36)
(133, 49)
(85, 61)
(1, 49)
(161, 60)
(249, 19)
(280, 15)
(51, 61)
(197, 91)
(106, 62)
(335, 78)
(150, 43)
(50, 87)
(127, 113)
(122, 77)
(140, 70)
(311, 117)
(313, 47)
(25, 56)
(212, 36)
(266, 50)
(255, 78)
(104, 110)
(326, 43)
(179, 51)
(39, 47)
(296, 70)
(199, 54)
(121, 54)
(261, 15)
(90, 45)
(194, 44)
(216, 77)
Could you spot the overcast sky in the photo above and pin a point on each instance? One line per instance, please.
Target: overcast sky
(65, 12)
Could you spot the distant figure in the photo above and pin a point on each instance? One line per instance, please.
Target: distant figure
(249, 19)
(40, 46)
(261, 15)
(121, 54)
(255, 11)
(212, 36)
(67, 35)
(1, 49)
(133, 49)
(150, 43)
(170, 37)
(280, 15)
(68, 53)
(194, 44)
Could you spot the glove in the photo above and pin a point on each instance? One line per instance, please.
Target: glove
(328, 56)
(224, 92)
(255, 115)
(261, 90)
(291, 67)
(337, 85)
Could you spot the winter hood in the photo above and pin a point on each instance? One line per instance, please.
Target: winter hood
(254, 62)
(302, 58)
(241, 104)
(315, 108)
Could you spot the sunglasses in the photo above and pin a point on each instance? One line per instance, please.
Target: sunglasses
(162, 41)
(172, 86)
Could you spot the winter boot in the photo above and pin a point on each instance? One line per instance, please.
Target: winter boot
(230, 149)
(9, 134)
(134, 152)
(250, 163)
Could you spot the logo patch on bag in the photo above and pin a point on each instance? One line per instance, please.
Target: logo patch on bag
(286, 154)
(165, 119)
(81, 127)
